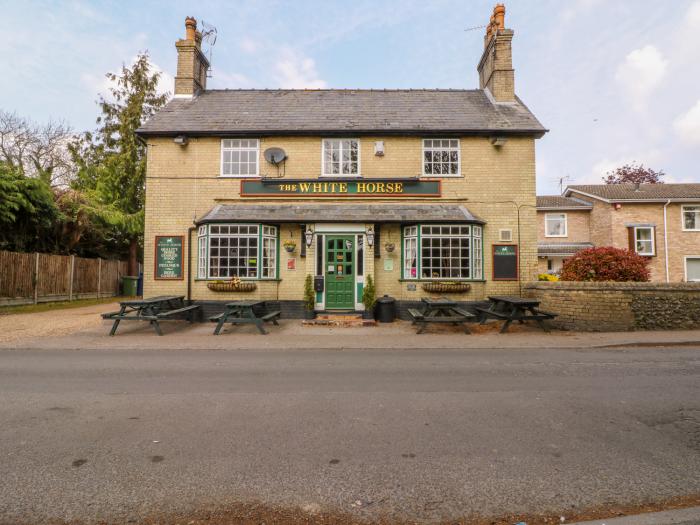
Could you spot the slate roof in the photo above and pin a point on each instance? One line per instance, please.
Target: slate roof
(562, 249)
(626, 192)
(370, 213)
(557, 202)
(346, 111)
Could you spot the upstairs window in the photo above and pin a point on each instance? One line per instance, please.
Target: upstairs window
(555, 225)
(341, 157)
(441, 157)
(239, 157)
(644, 240)
(691, 218)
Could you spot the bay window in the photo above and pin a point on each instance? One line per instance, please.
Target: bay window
(247, 251)
(442, 252)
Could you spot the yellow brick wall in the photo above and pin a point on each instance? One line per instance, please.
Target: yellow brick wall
(578, 227)
(183, 183)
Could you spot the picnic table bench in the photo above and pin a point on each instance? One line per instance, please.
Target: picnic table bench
(440, 310)
(153, 310)
(509, 309)
(242, 312)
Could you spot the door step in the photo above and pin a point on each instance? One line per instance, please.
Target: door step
(339, 319)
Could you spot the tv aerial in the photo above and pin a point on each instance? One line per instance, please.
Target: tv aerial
(209, 35)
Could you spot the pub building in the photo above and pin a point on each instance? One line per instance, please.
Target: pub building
(429, 191)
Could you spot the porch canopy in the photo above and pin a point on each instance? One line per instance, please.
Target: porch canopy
(362, 213)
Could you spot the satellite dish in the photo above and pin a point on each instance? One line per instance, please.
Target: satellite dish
(275, 155)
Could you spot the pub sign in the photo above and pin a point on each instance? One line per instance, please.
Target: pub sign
(169, 257)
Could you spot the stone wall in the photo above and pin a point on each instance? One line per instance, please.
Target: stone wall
(610, 306)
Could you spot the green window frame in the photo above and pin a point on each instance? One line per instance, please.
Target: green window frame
(243, 250)
(434, 252)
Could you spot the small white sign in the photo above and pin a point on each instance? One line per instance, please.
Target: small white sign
(388, 265)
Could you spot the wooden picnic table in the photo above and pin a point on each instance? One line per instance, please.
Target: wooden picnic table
(441, 310)
(153, 309)
(242, 312)
(508, 309)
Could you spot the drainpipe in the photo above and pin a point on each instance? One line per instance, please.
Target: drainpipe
(666, 240)
(189, 263)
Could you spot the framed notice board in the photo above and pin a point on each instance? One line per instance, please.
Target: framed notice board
(169, 257)
(505, 262)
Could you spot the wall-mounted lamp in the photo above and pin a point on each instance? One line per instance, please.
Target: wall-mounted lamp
(370, 236)
(309, 236)
(180, 140)
(499, 141)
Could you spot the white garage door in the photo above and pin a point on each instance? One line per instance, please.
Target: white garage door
(692, 268)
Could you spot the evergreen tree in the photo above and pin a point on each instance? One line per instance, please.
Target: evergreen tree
(112, 160)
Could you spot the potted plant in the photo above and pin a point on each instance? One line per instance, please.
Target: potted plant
(290, 245)
(369, 298)
(233, 285)
(309, 299)
(446, 287)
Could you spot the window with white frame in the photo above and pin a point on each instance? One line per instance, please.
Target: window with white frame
(247, 251)
(691, 218)
(442, 252)
(202, 253)
(341, 157)
(644, 240)
(239, 157)
(555, 225)
(441, 157)
(692, 269)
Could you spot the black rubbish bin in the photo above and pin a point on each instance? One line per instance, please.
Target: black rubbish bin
(386, 309)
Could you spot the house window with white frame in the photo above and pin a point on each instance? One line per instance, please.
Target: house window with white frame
(644, 240)
(239, 157)
(442, 252)
(555, 225)
(248, 251)
(691, 218)
(341, 157)
(441, 157)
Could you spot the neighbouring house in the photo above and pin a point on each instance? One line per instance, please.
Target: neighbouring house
(658, 221)
(414, 187)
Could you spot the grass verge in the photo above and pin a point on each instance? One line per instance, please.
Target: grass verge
(58, 305)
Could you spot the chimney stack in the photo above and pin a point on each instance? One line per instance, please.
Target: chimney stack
(496, 65)
(192, 65)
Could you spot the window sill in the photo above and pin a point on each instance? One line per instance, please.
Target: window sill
(436, 176)
(556, 236)
(696, 230)
(446, 279)
(338, 176)
(239, 177)
(250, 279)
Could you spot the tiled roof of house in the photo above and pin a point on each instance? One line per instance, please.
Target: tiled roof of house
(355, 111)
(623, 192)
(546, 202)
(561, 249)
(377, 213)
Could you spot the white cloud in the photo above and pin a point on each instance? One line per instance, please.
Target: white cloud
(223, 80)
(295, 70)
(687, 126)
(601, 168)
(640, 74)
(249, 45)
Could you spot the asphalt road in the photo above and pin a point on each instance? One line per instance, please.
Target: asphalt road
(115, 435)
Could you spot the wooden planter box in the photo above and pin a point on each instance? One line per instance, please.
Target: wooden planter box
(231, 287)
(446, 287)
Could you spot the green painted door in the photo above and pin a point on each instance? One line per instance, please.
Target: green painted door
(340, 272)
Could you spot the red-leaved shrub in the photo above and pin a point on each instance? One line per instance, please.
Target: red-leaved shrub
(605, 264)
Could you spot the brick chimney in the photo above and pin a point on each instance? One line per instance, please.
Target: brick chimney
(192, 65)
(496, 65)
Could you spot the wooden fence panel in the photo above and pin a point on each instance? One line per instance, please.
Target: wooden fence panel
(19, 283)
(85, 275)
(54, 275)
(17, 274)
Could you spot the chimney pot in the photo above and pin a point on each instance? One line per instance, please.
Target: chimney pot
(499, 15)
(190, 28)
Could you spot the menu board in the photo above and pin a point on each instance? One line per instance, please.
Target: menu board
(169, 257)
(505, 262)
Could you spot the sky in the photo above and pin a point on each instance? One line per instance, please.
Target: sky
(613, 81)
